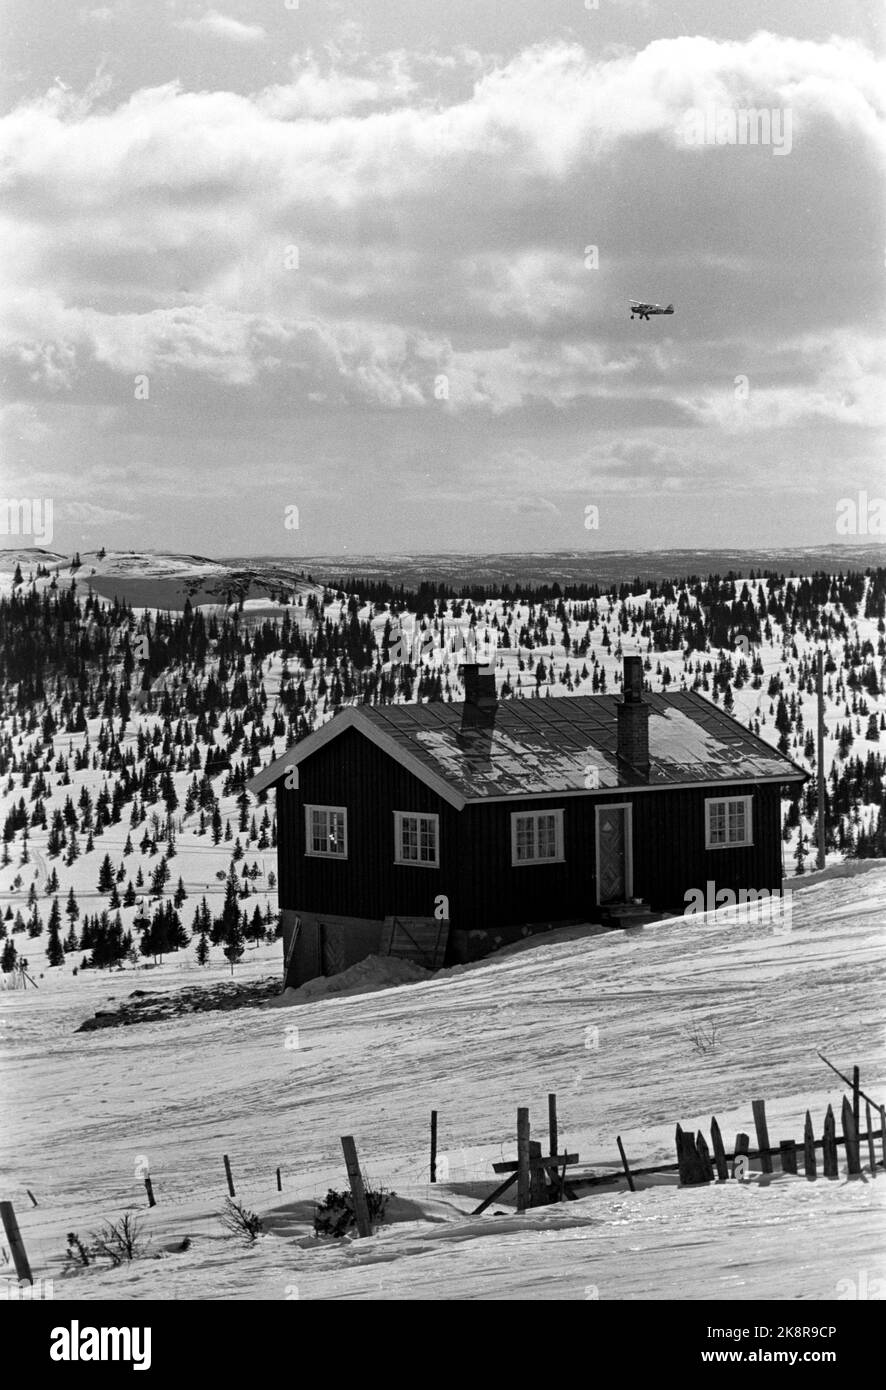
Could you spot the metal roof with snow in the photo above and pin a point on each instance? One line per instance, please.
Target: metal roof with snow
(546, 747)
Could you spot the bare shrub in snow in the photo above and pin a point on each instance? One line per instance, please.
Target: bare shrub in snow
(240, 1221)
(335, 1214)
(702, 1035)
(119, 1240)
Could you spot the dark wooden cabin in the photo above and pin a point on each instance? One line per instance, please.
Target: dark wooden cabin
(494, 819)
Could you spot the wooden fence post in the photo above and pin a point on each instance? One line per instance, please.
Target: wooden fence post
(625, 1164)
(759, 1109)
(856, 1102)
(740, 1149)
(433, 1146)
(149, 1189)
(557, 1183)
(681, 1157)
(228, 1175)
(524, 1194)
(34, 1199)
(872, 1157)
(689, 1160)
(279, 1181)
(719, 1151)
(537, 1185)
(883, 1132)
(829, 1145)
(788, 1150)
(809, 1148)
(704, 1157)
(16, 1244)
(850, 1135)
(358, 1191)
(552, 1124)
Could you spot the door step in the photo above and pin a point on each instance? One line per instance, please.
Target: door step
(623, 915)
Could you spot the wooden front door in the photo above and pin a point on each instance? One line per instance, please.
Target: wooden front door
(613, 853)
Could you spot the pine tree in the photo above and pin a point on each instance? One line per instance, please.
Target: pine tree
(106, 875)
(235, 945)
(71, 908)
(54, 950)
(160, 877)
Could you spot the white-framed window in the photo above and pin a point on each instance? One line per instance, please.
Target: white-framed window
(728, 822)
(536, 837)
(326, 831)
(416, 838)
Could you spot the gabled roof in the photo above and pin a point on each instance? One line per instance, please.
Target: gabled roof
(546, 747)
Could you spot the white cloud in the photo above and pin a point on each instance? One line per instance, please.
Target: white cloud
(221, 26)
(437, 238)
(90, 514)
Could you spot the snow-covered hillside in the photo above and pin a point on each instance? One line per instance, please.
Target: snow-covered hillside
(184, 719)
(605, 1021)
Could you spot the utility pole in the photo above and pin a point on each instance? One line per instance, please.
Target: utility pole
(821, 775)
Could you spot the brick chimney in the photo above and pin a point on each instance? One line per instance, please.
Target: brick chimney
(479, 685)
(633, 719)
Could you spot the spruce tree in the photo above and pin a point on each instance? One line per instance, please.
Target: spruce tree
(54, 950)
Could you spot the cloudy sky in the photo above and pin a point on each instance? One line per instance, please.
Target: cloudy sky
(338, 255)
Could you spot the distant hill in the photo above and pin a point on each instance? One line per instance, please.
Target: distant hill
(156, 579)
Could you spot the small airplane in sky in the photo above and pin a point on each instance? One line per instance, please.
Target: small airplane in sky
(644, 310)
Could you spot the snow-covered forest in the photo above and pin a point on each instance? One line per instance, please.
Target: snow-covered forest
(128, 734)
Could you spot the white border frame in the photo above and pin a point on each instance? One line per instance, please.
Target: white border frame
(749, 822)
(398, 840)
(559, 858)
(629, 845)
(321, 854)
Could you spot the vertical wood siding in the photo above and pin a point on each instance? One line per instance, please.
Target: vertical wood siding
(475, 873)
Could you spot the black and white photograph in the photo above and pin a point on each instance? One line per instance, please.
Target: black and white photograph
(443, 669)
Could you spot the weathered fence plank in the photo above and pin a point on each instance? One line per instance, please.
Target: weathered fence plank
(850, 1136)
(740, 1149)
(16, 1244)
(829, 1145)
(759, 1109)
(538, 1189)
(494, 1196)
(788, 1152)
(706, 1167)
(691, 1166)
(524, 1193)
(809, 1167)
(624, 1160)
(231, 1191)
(719, 1151)
(358, 1191)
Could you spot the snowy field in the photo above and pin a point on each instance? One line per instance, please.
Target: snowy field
(603, 1020)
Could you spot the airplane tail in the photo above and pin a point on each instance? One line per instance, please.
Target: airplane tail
(669, 309)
